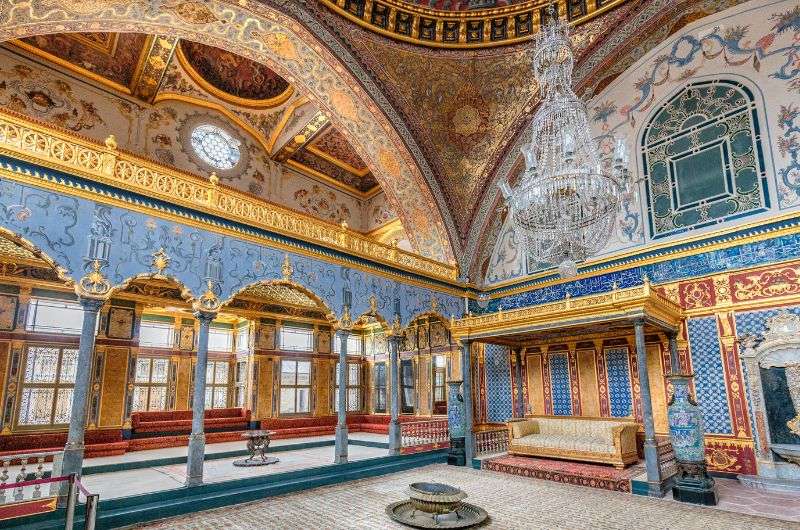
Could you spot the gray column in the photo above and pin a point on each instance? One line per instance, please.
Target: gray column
(674, 360)
(518, 375)
(340, 455)
(197, 440)
(394, 382)
(72, 460)
(466, 375)
(650, 448)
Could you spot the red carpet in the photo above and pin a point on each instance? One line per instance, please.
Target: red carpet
(592, 475)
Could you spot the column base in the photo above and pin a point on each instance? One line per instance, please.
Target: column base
(395, 439)
(195, 459)
(71, 460)
(694, 485)
(457, 456)
(340, 455)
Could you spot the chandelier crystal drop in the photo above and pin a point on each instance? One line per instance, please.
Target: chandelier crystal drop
(566, 202)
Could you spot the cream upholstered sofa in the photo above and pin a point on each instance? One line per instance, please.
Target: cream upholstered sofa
(605, 440)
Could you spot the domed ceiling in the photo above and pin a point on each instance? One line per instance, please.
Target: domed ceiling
(139, 65)
(231, 73)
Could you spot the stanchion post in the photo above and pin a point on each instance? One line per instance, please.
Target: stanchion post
(71, 498)
(91, 510)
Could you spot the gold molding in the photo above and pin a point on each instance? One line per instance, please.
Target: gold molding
(615, 305)
(287, 113)
(153, 66)
(379, 232)
(478, 28)
(226, 97)
(26, 140)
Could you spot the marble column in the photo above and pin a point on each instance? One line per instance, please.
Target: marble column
(520, 412)
(466, 374)
(341, 400)
(197, 440)
(650, 447)
(394, 385)
(674, 360)
(72, 459)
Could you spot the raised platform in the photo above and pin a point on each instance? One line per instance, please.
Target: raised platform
(577, 473)
(163, 495)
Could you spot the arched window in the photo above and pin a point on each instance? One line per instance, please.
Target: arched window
(703, 159)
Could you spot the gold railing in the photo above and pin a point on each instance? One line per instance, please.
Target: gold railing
(462, 29)
(642, 297)
(40, 144)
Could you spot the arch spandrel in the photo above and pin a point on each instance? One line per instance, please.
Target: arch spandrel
(266, 35)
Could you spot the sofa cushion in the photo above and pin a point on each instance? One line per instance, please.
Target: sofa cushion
(524, 428)
(566, 443)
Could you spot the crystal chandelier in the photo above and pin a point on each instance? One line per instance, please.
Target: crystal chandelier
(566, 202)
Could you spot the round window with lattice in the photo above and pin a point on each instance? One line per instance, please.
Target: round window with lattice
(215, 146)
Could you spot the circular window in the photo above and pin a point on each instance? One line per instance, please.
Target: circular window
(215, 146)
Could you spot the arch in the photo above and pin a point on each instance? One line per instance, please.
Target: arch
(186, 293)
(268, 35)
(330, 315)
(61, 271)
(428, 314)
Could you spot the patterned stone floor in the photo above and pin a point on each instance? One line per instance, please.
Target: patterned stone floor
(512, 502)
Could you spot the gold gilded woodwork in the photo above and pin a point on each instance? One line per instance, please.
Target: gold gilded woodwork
(658, 398)
(153, 64)
(424, 388)
(617, 304)
(5, 355)
(323, 368)
(112, 401)
(587, 375)
(535, 383)
(265, 388)
(452, 29)
(182, 382)
(279, 294)
(24, 139)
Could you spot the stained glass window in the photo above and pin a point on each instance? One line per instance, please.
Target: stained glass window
(703, 159)
(353, 388)
(215, 146)
(295, 387)
(150, 384)
(296, 338)
(220, 339)
(47, 385)
(355, 345)
(217, 384)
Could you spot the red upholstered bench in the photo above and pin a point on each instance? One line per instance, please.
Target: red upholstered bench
(99, 442)
(148, 424)
(322, 425)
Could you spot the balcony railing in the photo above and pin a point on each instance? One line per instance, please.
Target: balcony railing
(428, 435)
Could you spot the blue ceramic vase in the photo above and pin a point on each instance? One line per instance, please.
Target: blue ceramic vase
(685, 422)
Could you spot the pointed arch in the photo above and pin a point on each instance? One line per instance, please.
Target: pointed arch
(282, 42)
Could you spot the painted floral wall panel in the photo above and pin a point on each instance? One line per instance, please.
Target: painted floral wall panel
(754, 45)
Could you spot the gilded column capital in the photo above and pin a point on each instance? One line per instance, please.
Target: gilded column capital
(94, 283)
(208, 302)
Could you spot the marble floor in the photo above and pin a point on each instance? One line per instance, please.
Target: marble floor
(512, 502)
(160, 478)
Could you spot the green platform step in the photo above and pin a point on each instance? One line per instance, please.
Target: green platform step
(115, 513)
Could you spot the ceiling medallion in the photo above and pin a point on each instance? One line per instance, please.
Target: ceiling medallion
(565, 205)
